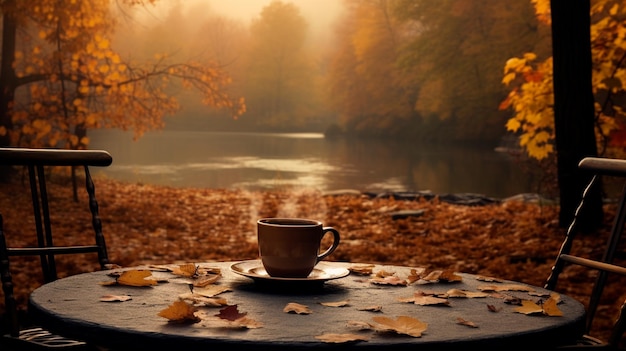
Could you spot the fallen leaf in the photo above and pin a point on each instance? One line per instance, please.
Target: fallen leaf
(362, 269)
(115, 298)
(465, 293)
(335, 304)
(425, 300)
(388, 280)
(506, 287)
(402, 325)
(375, 308)
(462, 321)
(206, 280)
(529, 307)
(201, 300)
(293, 307)
(360, 325)
(341, 338)
(493, 308)
(211, 290)
(230, 313)
(383, 273)
(135, 278)
(180, 312)
(449, 276)
(489, 279)
(185, 270)
(550, 307)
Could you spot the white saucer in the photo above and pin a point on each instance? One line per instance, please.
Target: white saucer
(322, 272)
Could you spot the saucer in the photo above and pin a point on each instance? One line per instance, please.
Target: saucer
(322, 272)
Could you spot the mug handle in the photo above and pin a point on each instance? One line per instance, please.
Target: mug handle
(334, 245)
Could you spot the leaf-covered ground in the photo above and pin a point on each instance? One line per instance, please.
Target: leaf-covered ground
(152, 224)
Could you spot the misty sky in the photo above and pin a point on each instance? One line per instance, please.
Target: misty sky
(321, 14)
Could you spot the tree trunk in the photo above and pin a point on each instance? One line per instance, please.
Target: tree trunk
(7, 73)
(574, 109)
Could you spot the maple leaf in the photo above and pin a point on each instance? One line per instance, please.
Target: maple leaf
(341, 338)
(293, 307)
(529, 307)
(402, 325)
(180, 312)
(550, 307)
(230, 313)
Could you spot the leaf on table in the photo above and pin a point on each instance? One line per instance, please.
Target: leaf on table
(186, 270)
(528, 307)
(341, 338)
(444, 276)
(467, 323)
(506, 287)
(359, 325)
(383, 273)
(362, 269)
(201, 300)
(415, 275)
(493, 308)
(550, 307)
(373, 308)
(402, 325)
(115, 298)
(132, 278)
(230, 313)
(343, 303)
(422, 299)
(211, 290)
(388, 280)
(205, 280)
(465, 293)
(489, 279)
(293, 307)
(180, 312)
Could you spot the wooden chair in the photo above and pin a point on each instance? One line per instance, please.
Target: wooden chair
(36, 161)
(598, 167)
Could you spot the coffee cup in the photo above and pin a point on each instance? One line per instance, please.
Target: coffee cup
(289, 247)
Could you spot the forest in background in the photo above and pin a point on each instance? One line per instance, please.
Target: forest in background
(390, 68)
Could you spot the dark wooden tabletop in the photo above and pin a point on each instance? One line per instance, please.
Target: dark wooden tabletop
(72, 305)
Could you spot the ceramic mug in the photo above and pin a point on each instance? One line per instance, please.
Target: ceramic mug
(289, 247)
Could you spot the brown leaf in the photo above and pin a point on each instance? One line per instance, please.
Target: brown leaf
(185, 270)
(375, 308)
(335, 304)
(550, 307)
(230, 313)
(115, 298)
(180, 312)
(493, 308)
(341, 338)
(425, 300)
(198, 300)
(388, 280)
(402, 325)
(361, 269)
(462, 321)
(529, 307)
(293, 307)
(465, 293)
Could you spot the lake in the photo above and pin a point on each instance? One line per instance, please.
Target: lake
(257, 161)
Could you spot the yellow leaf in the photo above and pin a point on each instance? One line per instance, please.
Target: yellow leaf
(529, 307)
(550, 307)
(402, 325)
(136, 278)
(180, 311)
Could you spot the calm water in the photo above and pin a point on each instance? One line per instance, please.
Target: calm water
(264, 161)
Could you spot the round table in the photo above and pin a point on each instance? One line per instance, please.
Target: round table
(73, 306)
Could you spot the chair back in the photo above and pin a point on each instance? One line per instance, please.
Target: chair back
(36, 162)
(597, 167)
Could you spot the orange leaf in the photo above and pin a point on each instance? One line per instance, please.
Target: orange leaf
(293, 307)
(136, 278)
(529, 307)
(180, 312)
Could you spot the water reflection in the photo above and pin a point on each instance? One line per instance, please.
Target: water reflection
(261, 161)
